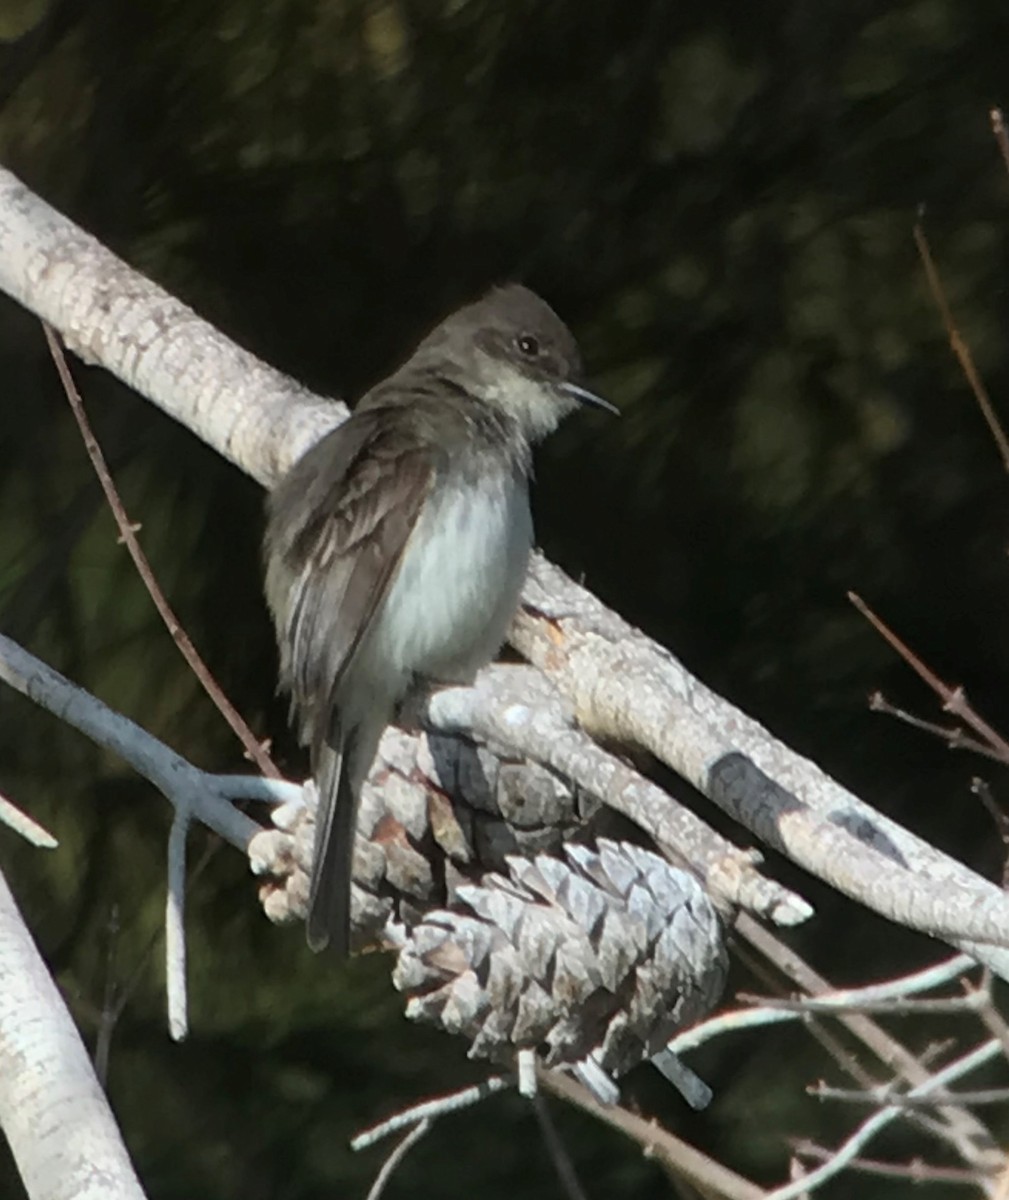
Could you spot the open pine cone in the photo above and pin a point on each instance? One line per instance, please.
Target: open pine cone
(594, 962)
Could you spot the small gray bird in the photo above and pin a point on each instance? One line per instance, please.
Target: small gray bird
(397, 546)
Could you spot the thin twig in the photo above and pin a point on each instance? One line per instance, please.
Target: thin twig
(191, 792)
(141, 971)
(959, 1127)
(127, 533)
(759, 960)
(26, 826)
(952, 735)
(558, 1152)
(957, 344)
(677, 1156)
(1000, 819)
(915, 1170)
(731, 1022)
(429, 1109)
(996, 1025)
(954, 700)
(1001, 138)
(397, 1156)
(868, 1129)
(525, 1062)
(822, 1091)
(889, 1008)
(109, 1016)
(849, 1000)
(175, 927)
(797, 1172)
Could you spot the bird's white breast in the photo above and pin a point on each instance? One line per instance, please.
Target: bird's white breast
(458, 583)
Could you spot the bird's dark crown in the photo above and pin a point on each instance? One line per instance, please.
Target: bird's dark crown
(513, 325)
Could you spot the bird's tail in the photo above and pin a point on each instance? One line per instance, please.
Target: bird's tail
(333, 858)
(340, 767)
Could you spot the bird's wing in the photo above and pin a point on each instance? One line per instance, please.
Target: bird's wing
(337, 526)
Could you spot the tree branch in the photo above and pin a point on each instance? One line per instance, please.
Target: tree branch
(204, 796)
(621, 683)
(52, 1109)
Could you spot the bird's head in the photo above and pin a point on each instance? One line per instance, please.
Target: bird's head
(519, 357)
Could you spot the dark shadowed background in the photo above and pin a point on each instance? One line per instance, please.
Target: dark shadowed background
(719, 198)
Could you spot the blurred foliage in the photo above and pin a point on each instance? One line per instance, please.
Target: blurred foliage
(720, 200)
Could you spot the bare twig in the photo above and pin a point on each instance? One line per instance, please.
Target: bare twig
(109, 1015)
(430, 1109)
(854, 999)
(916, 1170)
(843, 1156)
(558, 1152)
(193, 793)
(117, 997)
(26, 826)
(676, 1156)
(127, 533)
(175, 926)
(957, 344)
(959, 1127)
(730, 1022)
(952, 735)
(999, 817)
(996, 1025)
(766, 969)
(802, 1005)
(886, 1096)
(1001, 138)
(397, 1156)
(207, 796)
(954, 700)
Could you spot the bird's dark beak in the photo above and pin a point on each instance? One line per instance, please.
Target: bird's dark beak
(584, 396)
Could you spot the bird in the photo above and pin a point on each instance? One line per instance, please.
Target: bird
(395, 549)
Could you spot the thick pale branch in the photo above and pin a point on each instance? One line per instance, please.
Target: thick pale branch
(52, 1109)
(521, 710)
(625, 686)
(109, 314)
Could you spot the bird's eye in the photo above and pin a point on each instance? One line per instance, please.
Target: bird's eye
(528, 345)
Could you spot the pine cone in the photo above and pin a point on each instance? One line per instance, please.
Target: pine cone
(436, 813)
(594, 963)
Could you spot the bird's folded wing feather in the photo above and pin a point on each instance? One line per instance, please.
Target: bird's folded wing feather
(337, 526)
